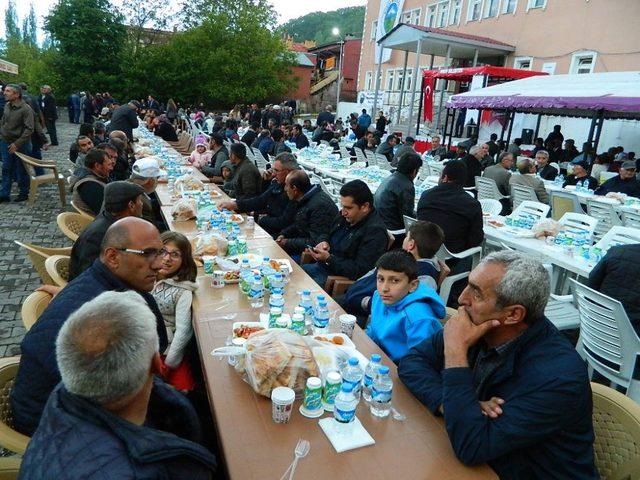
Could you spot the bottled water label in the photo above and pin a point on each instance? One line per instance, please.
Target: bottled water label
(344, 416)
(381, 396)
(368, 381)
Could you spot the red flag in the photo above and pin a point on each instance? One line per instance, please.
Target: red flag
(427, 88)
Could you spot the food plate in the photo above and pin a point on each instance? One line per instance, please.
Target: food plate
(254, 260)
(235, 218)
(336, 339)
(332, 359)
(496, 223)
(214, 193)
(244, 329)
(231, 277)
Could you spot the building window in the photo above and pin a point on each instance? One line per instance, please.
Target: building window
(583, 62)
(389, 85)
(509, 6)
(374, 28)
(398, 85)
(408, 81)
(537, 3)
(473, 13)
(456, 7)
(523, 63)
(491, 8)
(430, 18)
(368, 79)
(412, 16)
(443, 14)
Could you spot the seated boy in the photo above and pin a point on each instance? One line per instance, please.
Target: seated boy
(423, 240)
(404, 312)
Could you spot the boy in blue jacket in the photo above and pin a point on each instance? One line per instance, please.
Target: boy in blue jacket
(404, 312)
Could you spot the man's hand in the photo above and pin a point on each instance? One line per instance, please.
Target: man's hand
(12, 149)
(323, 246)
(318, 254)
(491, 408)
(50, 289)
(267, 175)
(281, 240)
(444, 272)
(228, 206)
(460, 333)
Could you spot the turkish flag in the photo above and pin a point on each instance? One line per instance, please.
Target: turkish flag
(427, 89)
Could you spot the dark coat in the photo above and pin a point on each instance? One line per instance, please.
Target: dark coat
(124, 118)
(361, 245)
(456, 212)
(548, 172)
(86, 249)
(301, 141)
(573, 180)
(314, 217)
(545, 430)
(274, 203)
(394, 198)
(325, 117)
(474, 169)
(617, 275)
(48, 106)
(249, 137)
(38, 372)
(77, 439)
(247, 180)
(616, 184)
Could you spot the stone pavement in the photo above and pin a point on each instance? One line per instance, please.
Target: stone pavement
(30, 224)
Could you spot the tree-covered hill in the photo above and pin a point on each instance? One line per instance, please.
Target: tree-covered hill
(318, 25)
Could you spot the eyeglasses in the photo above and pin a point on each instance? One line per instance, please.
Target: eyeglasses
(174, 255)
(152, 254)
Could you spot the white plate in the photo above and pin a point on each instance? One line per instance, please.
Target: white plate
(254, 260)
(245, 324)
(347, 341)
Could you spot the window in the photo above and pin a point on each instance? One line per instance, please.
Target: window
(509, 6)
(408, 81)
(456, 7)
(491, 8)
(523, 63)
(389, 84)
(368, 79)
(398, 86)
(430, 18)
(443, 14)
(583, 62)
(374, 28)
(537, 4)
(474, 10)
(411, 16)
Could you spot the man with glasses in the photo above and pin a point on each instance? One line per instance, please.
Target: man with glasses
(130, 259)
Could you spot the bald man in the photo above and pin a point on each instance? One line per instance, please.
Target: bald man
(129, 260)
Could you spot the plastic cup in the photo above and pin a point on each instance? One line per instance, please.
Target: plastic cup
(347, 324)
(282, 404)
(208, 264)
(217, 280)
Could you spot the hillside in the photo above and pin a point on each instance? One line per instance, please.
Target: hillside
(318, 25)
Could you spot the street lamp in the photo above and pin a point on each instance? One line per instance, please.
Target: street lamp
(336, 32)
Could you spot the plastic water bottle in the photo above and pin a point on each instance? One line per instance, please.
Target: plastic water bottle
(307, 304)
(381, 393)
(276, 300)
(320, 298)
(370, 375)
(321, 318)
(276, 282)
(245, 276)
(256, 294)
(344, 410)
(352, 373)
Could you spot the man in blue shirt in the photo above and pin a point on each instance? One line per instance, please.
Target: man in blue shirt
(364, 119)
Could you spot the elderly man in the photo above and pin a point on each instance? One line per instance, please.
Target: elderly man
(49, 112)
(130, 258)
(315, 212)
(625, 182)
(513, 391)
(355, 241)
(273, 204)
(17, 124)
(580, 176)
(101, 419)
(145, 172)
(528, 178)
(88, 182)
(125, 118)
(545, 171)
(247, 179)
(121, 199)
(437, 149)
(501, 172)
(472, 162)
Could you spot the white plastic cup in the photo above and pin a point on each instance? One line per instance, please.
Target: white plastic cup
(250, 222)
(217, 280)
(282, 404)
(347, 324)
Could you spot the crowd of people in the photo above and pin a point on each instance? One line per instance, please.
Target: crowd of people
(110, 376)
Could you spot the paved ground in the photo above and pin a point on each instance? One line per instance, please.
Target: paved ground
(31, 224)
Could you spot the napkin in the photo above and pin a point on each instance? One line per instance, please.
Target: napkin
(345, 436)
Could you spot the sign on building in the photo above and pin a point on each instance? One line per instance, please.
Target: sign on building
(8, 67)
(366, 98)
(388, 17)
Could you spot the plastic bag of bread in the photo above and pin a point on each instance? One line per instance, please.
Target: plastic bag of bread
(183, 210)
(142, 152)
(208, 243)
(546, 227)
(188, 182)
(277, 358)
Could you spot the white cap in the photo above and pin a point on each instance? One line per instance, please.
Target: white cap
(283, 395)
(314, 382)
(147, 167)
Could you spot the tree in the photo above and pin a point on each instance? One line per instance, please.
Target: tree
(318, 26)
(154, 14)
(30, 27)
(11, 22)
(88, 38)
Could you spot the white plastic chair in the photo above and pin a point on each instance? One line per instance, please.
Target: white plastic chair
(360, 155)
(436, 169)
(606, 215)
(618, 235)
(522, 193)
(344, 153)
(488, 189)
(579, 221)
(631, 219)
(536, 209)
(490, 206)
(607, 340)
(444, 254)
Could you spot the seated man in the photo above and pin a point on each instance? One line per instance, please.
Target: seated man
(299, 138)
(145, 172)
(625, 182)
(219, 155)
(88, 182)
(404, 149)
(273, 204)
(396, 195)
(404, 312)
(366, 143)
(247, 180)
(513, 391)
(528, 178)
(580, 176)
(129, 260)
(544, 170)
(121, 199)
(472, 161)
(386, 147)
(355, 241)
(617, 275)
(423, 241)
(79, 149)
(314, 215)
(437, 149)
(98, 419)
(501, 172)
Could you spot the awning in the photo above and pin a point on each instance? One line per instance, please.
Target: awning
(617, 94)
(466, 74)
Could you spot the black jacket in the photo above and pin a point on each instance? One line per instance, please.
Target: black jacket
(474, 169)
(458, 214)
(314, 217)
(301, 141)
(274, 204)
(361, 245)
(572, 180)
(124, 118)
(86, 249)
(617, 275)
(548, 172)
(394, 198)
(616, 184)
(48, 106)
(248, 137)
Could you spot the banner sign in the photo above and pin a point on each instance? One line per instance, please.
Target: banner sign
(428, 84)
(366, 98)
(388, 17)
(8, 67)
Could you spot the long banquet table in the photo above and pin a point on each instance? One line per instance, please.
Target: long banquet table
(254, 447)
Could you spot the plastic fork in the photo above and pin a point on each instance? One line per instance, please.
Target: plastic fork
(301, 451)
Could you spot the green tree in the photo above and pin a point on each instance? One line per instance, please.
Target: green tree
(30, 27)
(88, 38)
(318, 26)
(151, 14)
(11, 22)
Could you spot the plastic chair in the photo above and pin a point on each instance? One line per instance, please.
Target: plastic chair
(436, 169)
(607, 340)
(360, 155)
(408, 221)
(618, 235)
(616, 425)
(33, 306)
(36, 180)
(38, 255)
(82, 212)
(579, 221)
(631, 219)
(58, 269)
(563, 202)
(527, 207)
(606, 215)
(9, 438)
(522, 193)
(488, 189)
(444, 254)
(72, 224)
(490, 206)
(10, 467)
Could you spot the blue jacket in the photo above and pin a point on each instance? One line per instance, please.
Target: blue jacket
(364, 120)
(399, 327)
(76, 439)
(545, 430)
(38, 372)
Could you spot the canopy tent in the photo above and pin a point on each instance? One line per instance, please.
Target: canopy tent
(467, 74)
